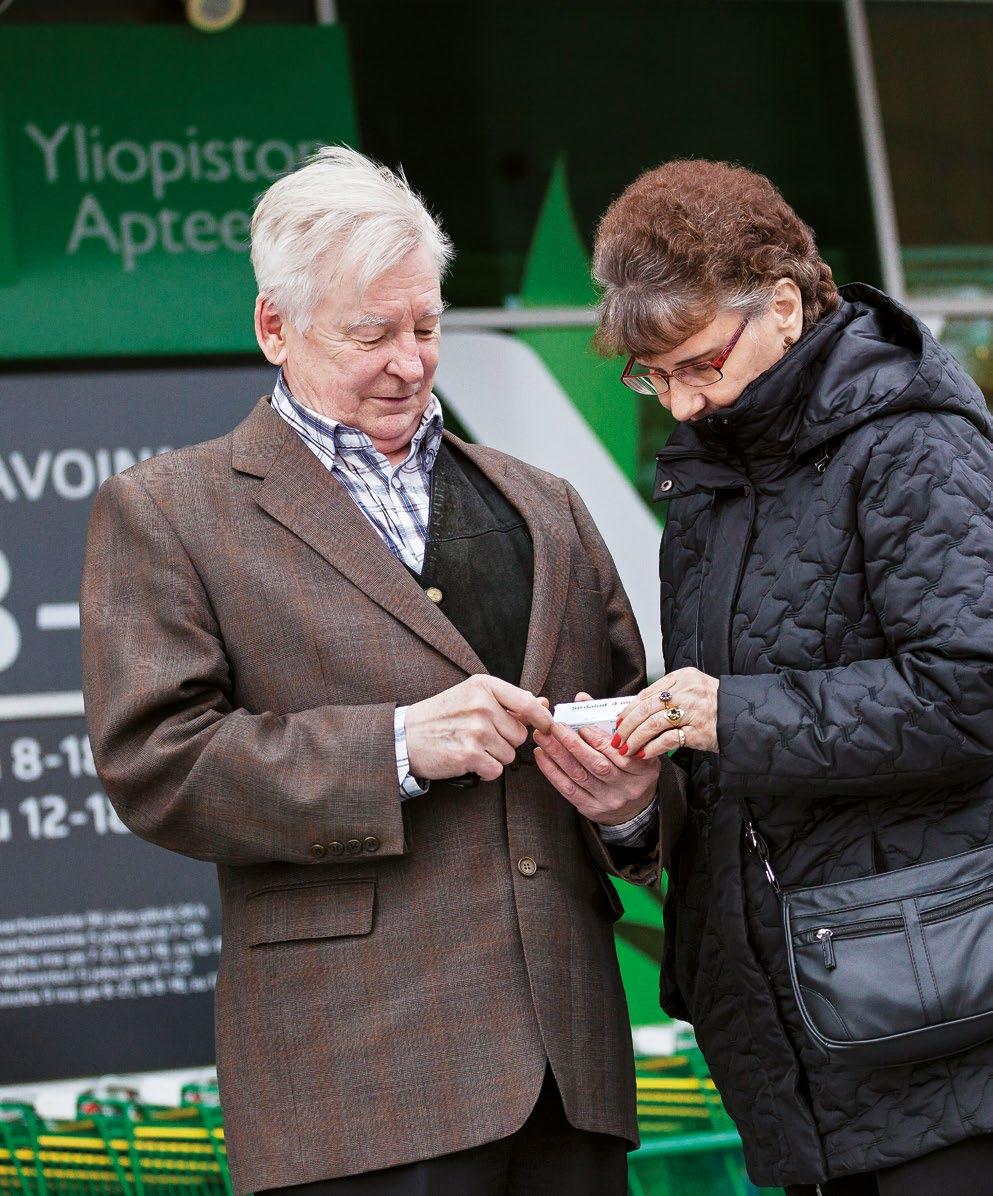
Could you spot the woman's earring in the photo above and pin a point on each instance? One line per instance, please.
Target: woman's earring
(789, 341)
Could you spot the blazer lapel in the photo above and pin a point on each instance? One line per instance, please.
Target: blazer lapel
(551, 559)
(304, 497)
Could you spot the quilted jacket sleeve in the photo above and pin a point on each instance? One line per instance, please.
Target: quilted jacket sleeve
(921, 715)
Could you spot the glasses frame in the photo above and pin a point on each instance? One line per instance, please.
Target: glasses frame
(716, 363)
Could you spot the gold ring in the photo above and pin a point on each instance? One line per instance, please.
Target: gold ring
(682, 736)
(675, 715)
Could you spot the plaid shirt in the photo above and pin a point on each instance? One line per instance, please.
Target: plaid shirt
(394, 498)
(396, 501)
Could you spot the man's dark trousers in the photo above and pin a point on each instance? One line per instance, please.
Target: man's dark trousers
(546, 1156)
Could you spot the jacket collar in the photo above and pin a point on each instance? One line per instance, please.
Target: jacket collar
(766, 419)
(869, 358)
(298, 492)
(755, 439)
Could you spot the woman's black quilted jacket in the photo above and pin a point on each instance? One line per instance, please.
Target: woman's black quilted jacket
(828, 553)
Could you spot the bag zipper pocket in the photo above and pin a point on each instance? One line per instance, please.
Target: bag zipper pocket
(826, 935)
(961, 906)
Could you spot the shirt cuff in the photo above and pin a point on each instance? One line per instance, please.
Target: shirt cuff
(634, 832)
(409, 785)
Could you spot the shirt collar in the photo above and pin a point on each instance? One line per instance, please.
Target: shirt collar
(338, 437)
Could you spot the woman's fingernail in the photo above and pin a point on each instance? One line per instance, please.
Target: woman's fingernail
(616, 741)
(641, 753)
(623, 749)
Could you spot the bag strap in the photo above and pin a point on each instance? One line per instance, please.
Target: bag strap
(758, 846)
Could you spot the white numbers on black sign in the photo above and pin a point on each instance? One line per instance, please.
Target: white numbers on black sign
(104, 815)
(51, 816)
(25, 759)
(28, 761)
(10, 634)
(78, 755)
(46, 816)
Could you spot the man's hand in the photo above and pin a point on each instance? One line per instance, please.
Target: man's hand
(607, 787)
(476, 726)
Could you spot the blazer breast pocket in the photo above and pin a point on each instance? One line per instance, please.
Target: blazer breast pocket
(585, 577)
(294, 913)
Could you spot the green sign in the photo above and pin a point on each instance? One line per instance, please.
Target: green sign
(130, 161)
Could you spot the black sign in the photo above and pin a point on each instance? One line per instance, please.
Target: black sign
(108, 945)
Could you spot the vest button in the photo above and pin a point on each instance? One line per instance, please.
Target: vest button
(434, 594)
(526, 866)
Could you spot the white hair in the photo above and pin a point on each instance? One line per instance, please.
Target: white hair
(341, 219)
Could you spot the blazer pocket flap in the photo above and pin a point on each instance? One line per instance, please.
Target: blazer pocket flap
(326, 911)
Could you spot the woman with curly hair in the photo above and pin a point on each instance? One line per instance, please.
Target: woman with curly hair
(827, 618)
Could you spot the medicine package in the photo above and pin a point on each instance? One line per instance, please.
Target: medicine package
(602, 713)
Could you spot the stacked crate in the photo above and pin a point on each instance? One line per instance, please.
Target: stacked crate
(689, 1146)
(114, 1147)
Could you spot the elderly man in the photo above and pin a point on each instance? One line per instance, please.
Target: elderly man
(311, 654)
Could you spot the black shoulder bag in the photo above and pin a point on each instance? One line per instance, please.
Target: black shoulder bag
(894, 968)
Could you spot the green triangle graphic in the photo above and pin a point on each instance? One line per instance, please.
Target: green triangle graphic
(557, 274)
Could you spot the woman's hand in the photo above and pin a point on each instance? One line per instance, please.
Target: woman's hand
(606, 786)
(646, 727)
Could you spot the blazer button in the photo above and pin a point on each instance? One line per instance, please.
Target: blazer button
(434, 594)
(526, 866)
(318, 851)
(353, 847)
(335, 847)
(370, 843)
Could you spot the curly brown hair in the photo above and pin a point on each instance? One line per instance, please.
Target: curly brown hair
(692, 238)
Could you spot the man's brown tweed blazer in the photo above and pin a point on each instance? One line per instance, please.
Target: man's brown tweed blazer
(391, 980)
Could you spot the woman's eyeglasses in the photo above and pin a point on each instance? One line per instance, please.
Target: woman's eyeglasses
(645, 381)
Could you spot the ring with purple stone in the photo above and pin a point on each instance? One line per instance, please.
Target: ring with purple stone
(665, 698)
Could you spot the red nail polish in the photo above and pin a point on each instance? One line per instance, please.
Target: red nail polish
(616, 741)
(641, 753)
(623, 749)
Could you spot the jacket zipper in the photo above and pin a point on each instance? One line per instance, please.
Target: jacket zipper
(826, 935)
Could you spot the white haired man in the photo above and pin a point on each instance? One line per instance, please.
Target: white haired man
(311, 654)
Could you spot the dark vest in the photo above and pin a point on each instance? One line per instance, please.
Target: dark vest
(479, 556)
